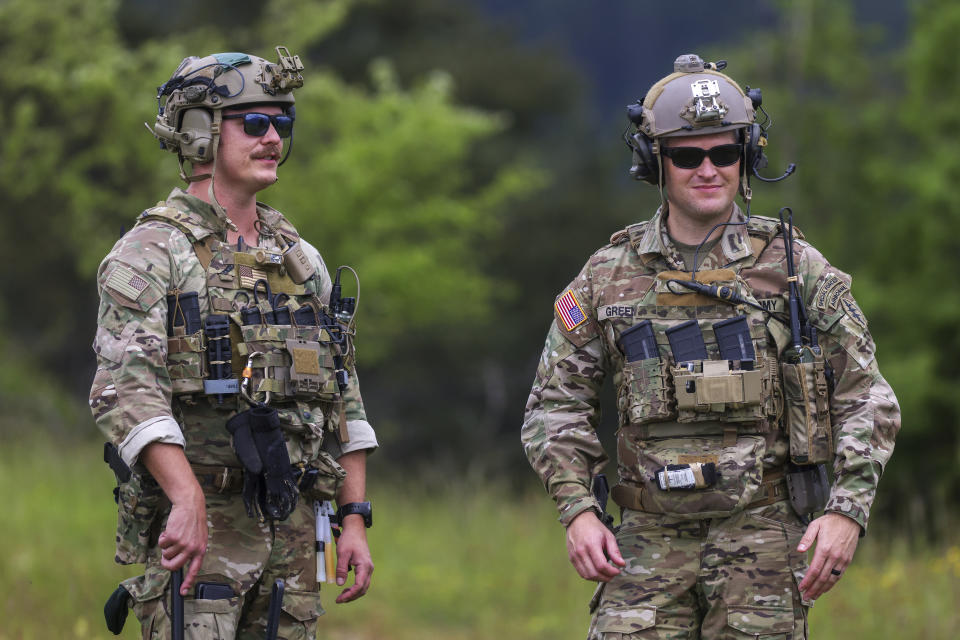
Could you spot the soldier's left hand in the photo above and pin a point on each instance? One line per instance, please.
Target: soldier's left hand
(353, 551)
(836, 537)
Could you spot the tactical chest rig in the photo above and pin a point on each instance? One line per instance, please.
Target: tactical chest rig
(257, 350)
(700, 396)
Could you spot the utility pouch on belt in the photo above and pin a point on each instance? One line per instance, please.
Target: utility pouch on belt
(808, 488)
(269, 486)
(807, 410)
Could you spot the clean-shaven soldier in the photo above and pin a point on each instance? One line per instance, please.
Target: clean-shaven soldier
(744, 370)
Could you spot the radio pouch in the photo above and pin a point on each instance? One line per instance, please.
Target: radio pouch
(807, 411)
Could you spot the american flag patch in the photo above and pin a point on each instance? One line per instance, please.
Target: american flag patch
(250, 275)
(127, 283)
(569, 311)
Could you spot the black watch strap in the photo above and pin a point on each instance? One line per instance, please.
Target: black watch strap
(359, 508)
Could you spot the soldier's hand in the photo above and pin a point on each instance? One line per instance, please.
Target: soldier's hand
(592, 548)
(185, 540)
(836, 538)
(353, 551)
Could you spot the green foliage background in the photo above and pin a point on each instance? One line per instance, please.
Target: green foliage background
(460, 172)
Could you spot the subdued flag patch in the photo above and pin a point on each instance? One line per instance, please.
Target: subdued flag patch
(569, 311)
(250, 275)
(125, 282)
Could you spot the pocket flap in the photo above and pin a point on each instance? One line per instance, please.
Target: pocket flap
(629, 619)
(302, 605)
(221, 605)
(148, 586)
(760, 620)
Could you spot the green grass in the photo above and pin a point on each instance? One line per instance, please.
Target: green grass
(463, 562)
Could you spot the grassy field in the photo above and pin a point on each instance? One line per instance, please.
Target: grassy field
(455, 564)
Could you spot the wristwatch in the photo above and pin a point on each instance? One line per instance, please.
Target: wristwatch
(359, 508)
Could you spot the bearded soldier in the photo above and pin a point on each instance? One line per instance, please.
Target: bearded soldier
(226, 380)
(748, 394)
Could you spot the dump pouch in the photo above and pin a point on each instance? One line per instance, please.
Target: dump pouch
(807, 411)
(693, 477)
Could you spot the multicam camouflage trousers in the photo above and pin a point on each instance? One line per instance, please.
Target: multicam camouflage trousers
(724, 578)
(249, 556)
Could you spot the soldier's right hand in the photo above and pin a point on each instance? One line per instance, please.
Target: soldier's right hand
(593, 548)
(185, 539)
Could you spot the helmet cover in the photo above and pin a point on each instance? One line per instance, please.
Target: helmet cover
(694, 100)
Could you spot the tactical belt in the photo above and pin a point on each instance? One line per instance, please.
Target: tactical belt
(230, 479)
(219, 479)
(772, 489)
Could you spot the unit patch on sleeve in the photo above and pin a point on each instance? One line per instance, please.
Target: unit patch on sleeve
(127, 283)
(569, 311)
(853, 311)
(829, 292)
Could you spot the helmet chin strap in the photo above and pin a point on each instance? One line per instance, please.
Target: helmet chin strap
(661, 172)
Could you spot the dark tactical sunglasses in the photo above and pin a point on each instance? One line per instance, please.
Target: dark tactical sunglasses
(257, 124)
(722, 155)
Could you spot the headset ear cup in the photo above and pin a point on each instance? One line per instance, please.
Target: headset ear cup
(753, 149)
(196, 135)
(645, 166)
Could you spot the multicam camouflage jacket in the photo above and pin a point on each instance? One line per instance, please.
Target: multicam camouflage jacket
(740, 427)
(149, 385)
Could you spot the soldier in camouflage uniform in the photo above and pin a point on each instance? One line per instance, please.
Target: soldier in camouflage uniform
(710, 447)
(165, 399)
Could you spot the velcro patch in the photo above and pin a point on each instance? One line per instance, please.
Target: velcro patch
(569, 310)
(616, 311)
(853, 311)
(127, 283)
(250, 275)
(829, 292)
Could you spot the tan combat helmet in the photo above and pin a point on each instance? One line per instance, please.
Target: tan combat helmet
(696, 99)
(190, 104)
(693, 100)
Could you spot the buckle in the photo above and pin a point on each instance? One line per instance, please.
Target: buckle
(224, 478)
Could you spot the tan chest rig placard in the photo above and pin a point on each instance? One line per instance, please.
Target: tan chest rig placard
(704, 415)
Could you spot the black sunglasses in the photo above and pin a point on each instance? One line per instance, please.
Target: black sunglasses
(722, 155)
(257, 124)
